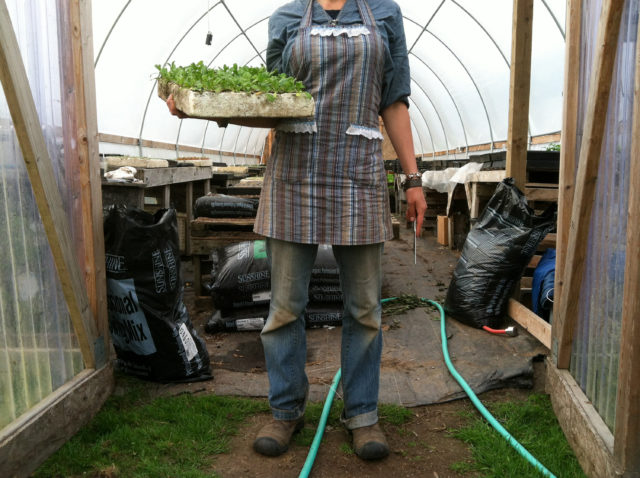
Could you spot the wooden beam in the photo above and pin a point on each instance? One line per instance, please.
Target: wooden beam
(45, 189)
(473, 148)
(533, 324)
(27, 442)
(488, 176)
(586, 178)
(189, 211)
(627, 426)
(585, 430)
(568, 144)
(541, 194)
(75, 26)
(145, 143)
(520, 85)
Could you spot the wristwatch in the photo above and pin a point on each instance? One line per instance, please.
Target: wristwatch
(413, 180)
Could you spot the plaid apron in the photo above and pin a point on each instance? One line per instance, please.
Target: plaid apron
(325, 182)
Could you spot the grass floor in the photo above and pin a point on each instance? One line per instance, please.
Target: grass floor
(534, 425)
(135, 435)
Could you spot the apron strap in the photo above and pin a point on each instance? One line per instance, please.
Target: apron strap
(365, 13)
(308, 15)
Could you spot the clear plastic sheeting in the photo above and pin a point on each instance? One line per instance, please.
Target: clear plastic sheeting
(38, 349)
(596, 347)
(459, 52)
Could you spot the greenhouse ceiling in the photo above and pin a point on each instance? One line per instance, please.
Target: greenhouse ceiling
(459, 52)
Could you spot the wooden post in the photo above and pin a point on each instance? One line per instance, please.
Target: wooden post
(81, 153)
(45, 189)
(166, 196)
(568, 139)
(627, 428)
(519, 92)
(590, 149)
(189, 211)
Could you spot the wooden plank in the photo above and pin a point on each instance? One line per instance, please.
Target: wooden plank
(526, 283)
(208, 225)
(163, 176)
(549, 241)
(546, 138)
(166, 196)
(82, 21)
(589, 436)
(541, 185)
(533, 263)
(133, 196)
(586, 178)
(479, 190)
(204, 245)
(27, 442)
(189, 211)
(128, 141)
(569, 138)
(468, 189)
(541, 139)
(488, 176)
(474, 209)
(541, 194)
(47, 196)
(533, 324)
(627, 426)
(520, 85)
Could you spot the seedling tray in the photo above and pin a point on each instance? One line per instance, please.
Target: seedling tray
(229, 105)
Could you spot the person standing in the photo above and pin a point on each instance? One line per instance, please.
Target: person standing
(326, 184)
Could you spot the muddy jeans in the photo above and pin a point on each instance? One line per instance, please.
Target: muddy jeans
(284, 338)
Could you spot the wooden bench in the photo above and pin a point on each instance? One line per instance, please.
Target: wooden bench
(163, 188)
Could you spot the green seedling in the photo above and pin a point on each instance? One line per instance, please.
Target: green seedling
(247, 79)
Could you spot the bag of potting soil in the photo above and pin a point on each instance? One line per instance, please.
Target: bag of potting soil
(240, 270)
(254, 318)
(242, 320)
(325, 268)
(319, 315)
(222, 205)
(149, 323)
(494, 256)
(325, 293)
(224, 301)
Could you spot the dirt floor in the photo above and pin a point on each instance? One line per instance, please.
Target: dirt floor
(422, 447)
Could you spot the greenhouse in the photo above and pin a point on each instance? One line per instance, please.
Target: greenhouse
(520, 130)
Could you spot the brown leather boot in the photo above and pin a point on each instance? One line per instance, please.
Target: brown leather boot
(369, 442)
(273, 438)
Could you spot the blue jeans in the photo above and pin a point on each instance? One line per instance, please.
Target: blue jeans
(284, 338)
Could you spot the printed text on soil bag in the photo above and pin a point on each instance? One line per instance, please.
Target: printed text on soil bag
(160, 275)
(127, 323)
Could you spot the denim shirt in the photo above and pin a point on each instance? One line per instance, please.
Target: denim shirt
(285, 22)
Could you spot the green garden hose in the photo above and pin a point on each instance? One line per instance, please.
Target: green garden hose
(313, 451)
(474, 399)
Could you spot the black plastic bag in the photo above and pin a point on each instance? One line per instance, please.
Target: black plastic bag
(222, 205)
(239, 270)
(494, 256)
(149, 323)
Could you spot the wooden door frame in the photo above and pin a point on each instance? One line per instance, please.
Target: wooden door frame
(30, 439)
